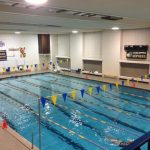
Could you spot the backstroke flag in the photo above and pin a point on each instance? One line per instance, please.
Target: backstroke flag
(82, 92)
(110, 85)
(54, 99)
(128, 81)
(117, 84)
(98, 89)
(90, 90)
(104, 88)
(43, 101)
(73, 94)
(122, 83)
(64, 96)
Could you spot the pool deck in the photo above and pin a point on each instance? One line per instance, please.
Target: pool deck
(11, 140)
(140, 85)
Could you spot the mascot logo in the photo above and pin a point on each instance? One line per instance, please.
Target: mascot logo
(22, 52)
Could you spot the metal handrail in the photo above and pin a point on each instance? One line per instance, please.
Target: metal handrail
(139, 142)
(32, 141)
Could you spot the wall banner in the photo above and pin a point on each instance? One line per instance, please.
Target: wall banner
(3, 55)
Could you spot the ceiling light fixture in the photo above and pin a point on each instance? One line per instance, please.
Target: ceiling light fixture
(17, 32)
(115, 28)
(75, 31)
(36, 2)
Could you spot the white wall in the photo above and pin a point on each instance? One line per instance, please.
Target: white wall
(135, 37)
(92, 45)
(76, 50)
(54, 47)
(30, 42)
(111, 52)
(64, 45)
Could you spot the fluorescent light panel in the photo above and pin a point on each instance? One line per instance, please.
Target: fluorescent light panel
(75, 31)
(17, 32)
(36, 2)
(115, 28)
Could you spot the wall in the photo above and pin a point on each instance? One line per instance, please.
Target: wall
(92, 45)
(64, 45)
(76, 50)
(54, 47)
(111, 52)
(135, 37)
(106, 45)
(30, 42)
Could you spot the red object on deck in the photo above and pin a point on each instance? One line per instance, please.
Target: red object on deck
(133, 84)
(4, 125)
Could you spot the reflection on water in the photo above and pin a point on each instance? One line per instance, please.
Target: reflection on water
(75, 118)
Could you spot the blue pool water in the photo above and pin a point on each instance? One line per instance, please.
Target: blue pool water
(89, 123)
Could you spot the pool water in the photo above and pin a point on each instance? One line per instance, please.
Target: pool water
(93, 122)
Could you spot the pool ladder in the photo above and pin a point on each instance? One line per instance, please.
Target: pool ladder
(145, 139)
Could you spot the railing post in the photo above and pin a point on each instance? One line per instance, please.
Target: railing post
(39, 122)
(32, 141)
(148, 145)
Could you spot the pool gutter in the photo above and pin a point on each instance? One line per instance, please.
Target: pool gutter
(141, 85)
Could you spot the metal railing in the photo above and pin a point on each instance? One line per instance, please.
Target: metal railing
(145, 139)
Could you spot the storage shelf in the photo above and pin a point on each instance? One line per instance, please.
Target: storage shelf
(135, 62)
(92, 59)
(66, 57)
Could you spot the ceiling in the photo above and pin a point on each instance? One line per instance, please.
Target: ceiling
(63, 16)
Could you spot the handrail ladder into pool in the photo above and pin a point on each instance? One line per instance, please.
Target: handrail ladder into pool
(110, 118)
(139, 142)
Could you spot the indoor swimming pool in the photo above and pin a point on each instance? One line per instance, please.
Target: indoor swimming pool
(91, 122)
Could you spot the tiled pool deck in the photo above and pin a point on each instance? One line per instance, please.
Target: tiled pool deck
(11, 140)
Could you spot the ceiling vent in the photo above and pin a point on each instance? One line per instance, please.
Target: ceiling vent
(61, 11)
(112, 18)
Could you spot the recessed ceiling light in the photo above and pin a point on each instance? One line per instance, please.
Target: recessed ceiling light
(75, 31)
(17, 32)
(115, 28)
(36, 2)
